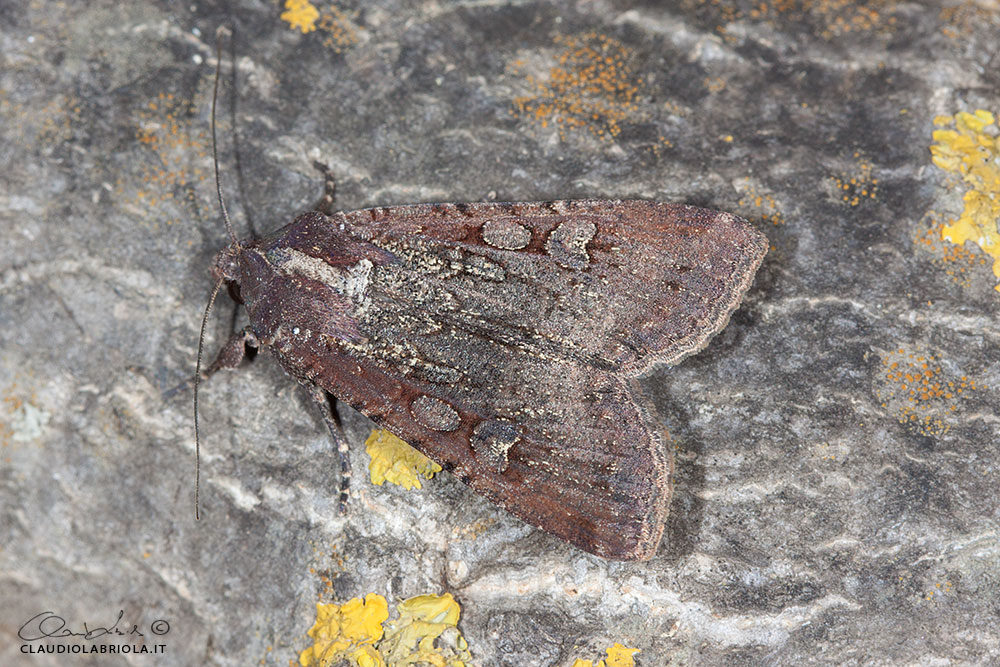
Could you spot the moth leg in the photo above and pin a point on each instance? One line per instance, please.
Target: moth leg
(340, 441)
(325, 205)
(234, 351)
(230, 356)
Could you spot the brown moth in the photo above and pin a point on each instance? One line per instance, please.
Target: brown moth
(503, 340)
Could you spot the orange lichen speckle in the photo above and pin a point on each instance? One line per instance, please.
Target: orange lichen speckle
(591, 86)
(832, 451)
(715, 85)
(921, 393)
(756, 205)
(841, 17)
(972, 151)
(617, 656)
(661, 145)
(426, 632)
(940, 589)
(47, 123)
(339, 30)
(12, 403)
(394, 461)
(957, 261)
(832, 18)
(330, 566)
(165, 130)
(473, 530)
(860, 186)
(961, 20)
(21, 420)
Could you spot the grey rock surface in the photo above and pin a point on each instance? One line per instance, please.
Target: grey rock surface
(835, 492)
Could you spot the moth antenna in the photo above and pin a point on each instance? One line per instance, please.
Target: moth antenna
(215, 144)
(222, 30)
(197, 379)
(241, 185)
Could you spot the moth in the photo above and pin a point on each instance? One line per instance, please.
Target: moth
(502, 340)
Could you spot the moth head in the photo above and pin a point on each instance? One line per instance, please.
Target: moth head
(227, 269)
(227, 264)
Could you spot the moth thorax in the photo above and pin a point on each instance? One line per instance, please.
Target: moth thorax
(349, 279)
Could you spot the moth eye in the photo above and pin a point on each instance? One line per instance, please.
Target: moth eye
(234, 291)
(434, 413)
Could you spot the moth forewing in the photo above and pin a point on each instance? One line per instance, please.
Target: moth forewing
(502, 340)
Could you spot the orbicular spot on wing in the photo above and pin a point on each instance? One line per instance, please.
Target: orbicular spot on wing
(434, 413)
(506, 234)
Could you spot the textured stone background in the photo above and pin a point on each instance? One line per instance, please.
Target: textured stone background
(836, 497)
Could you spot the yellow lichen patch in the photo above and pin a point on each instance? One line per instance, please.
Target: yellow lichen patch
(858, 186)
(336, 27)
(591, 86)
(620, 656)
(300, 15)
(923, 396)
(972, 151)
(367, 656)
(426, 632)
(341, 630)
(757, 205)
(394, 461)
(957, 261)
(617, 656)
